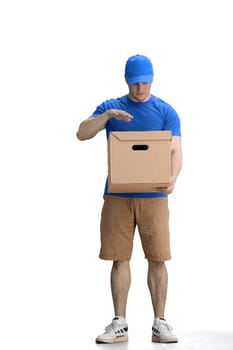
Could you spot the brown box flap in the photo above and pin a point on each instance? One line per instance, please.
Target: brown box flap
(142, 135)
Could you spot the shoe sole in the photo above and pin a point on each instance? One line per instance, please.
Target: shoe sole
(163, 340)
(112, 341)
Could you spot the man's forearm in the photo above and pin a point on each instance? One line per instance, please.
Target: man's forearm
(176, 164)
(91, 126)
(176, 157)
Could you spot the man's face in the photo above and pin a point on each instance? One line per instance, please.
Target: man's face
(139, 92)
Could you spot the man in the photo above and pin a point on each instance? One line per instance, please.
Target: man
(139, 110)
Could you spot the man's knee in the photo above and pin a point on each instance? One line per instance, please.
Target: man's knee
(120, 264)
(156, 264)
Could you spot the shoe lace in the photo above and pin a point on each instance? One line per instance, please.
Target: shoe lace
(164, 325)
(113, 327)
(168, 326)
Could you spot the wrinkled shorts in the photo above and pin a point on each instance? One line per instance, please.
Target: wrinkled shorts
(119, 218)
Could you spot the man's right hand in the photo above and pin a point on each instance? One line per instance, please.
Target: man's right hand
(119, 114)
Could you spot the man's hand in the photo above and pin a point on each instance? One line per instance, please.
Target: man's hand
(170, 188)
(120, 115)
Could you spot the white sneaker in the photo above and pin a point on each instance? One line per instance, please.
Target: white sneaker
(115, 332)
(162, 332)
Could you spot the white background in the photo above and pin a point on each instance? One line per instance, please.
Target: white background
(59, 60)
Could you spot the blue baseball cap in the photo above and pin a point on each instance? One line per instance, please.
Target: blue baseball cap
(138, 69)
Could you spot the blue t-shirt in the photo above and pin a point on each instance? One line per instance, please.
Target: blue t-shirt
(152, 115)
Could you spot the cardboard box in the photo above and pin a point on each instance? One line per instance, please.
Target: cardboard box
(138, 161)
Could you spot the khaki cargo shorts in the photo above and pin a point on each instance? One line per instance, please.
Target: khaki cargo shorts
(119, 218)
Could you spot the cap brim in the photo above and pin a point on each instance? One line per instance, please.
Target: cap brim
(139, 79)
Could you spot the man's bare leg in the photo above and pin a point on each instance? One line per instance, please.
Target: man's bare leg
(157, 283)
(120, 283)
